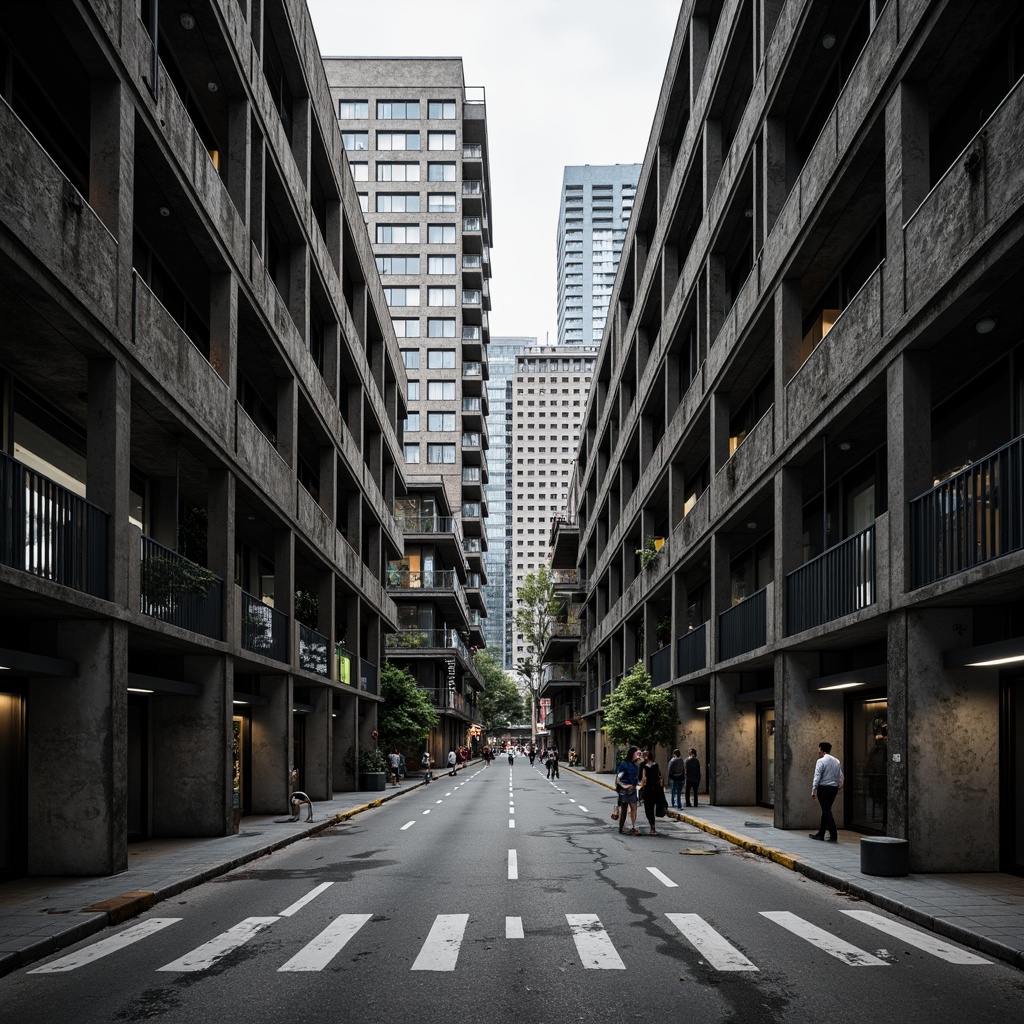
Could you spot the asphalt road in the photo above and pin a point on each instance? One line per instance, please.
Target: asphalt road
(499, 895)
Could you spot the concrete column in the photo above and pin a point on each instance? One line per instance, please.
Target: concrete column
(288, 421)
(721, 589)
(719, 431)
(714, 300)
(298, 290)
(700, 44)
(220, 546)
(732, 765)
(332, 359)
(284, 573)
(192, 753)
(319, 750)
(239, 138)
(679, 624)
(328, 470)
(343, 740)
(108, 465)
(77, 752)
(712, 157)
(788, 338)
(788, 552)
(272, 746)
(301, 120)
(224, 331)
(773, 173)
(257, 189)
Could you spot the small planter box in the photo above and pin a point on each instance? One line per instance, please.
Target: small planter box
(372, 782)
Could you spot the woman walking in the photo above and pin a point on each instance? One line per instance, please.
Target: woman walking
(653, 787)
(626, 780)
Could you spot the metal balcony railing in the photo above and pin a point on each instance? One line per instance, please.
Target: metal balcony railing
(343, 662)
(472, 369)
(472, 510)
(471, 404)
(560, 672)
(974, 516)
(472, 151)
(178, 591)
(743, 627)
(264, 629)
(312, 651)
(692, 650)
(470, 223)
(50, 532)
(427, 523)
(472, 188)
(470, 332)
(422, 579)
(837, 582)
(427, 639)
(367, 676)
(472, 474)
(471, 439)
(661, 666)
(470, 297)
(472, 261)
(593, 700)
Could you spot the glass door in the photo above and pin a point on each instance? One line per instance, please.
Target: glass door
(866, 767)
(1011, 783)
(13, 786)
(766, 756)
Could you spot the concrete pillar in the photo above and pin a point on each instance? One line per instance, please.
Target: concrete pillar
(788, 338)
(700, 44)
(319, 750)
(239, 138)
(224, 331)
(284, 574)
(271, 746)
(719, 431)
(773, 173)
(732, 764)
(220, 547)
(721, 589)
(301, 131)
(788, 552)
(108, 465)
(192, 753)
(257, 189)
(344, 741)
(712, 157)
(77, 752)
(288, 422)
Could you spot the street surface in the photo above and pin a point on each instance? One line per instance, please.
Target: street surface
(500, 895)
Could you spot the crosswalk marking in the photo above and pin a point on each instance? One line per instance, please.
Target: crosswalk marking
(106, 946)
(511, 822)
(912, 937)
(513, 864)
(663, 878)
(593, 944)
(408, 824)
(441, 949)
(823, 940)
(311, 895)
(583, 809)
(513, 928)
(720, 954)
(316, 955)
(206, 955)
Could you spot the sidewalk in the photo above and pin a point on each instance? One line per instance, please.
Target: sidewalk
(984, 911)
(39, 916)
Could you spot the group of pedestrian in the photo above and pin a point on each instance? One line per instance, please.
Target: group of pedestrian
(684, 772)
(639, 778)
(551, 762)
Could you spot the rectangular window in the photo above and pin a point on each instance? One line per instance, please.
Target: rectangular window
(438, 234)
(443, 454)
(412, 422)
(441, 172)
(393, 141)
(412, 390)
(360, 172)
(440, 296)
(402, 296)
(441, 358)
(440, 328)
(411, 358)
(400, 234)
(355, 142)
(398, 110)
(364, 201)
(350, 110)
(441, 421)
(406, 328)
(398, 202)
(440, 390)
(412, 453)
(398, 265)
(440, 140)
(397, 172)
(440, 110)
(441, 202)
(440, 264)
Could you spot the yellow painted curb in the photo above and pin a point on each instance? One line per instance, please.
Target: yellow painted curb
(120, 908)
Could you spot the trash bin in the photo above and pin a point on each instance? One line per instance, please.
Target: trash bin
(885, 856)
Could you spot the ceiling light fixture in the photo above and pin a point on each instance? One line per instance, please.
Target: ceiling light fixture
(703, 707)
(751, 526)
(165, 211)
(138, 689)
(188, 22)
(845, 446)
(212, 86)
(828, 40)
(839, 686)
(986, 325)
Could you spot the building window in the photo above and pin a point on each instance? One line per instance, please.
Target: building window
(393, 141)
(441, 454)
(364, 201)
(412, 453)
(440, 327)
(398, 202)
(438, 234)
(441, 359)
(360, 171)
(411, 358)
(441, 421)
(355, 142)
(440, 390)
(441, 172)
(440, 110)
(397, 233)
(412, 422)
(412, 390)
(397, 172)
(441, 202)
(387, 265)
(440, 140)
(402, 296)
(440, 296)
(440, 264)
(406, 328)
(398, 110)
(352, 110)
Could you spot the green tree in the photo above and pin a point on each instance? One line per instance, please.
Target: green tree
(407, 714)
(636, 712)
(537, 607)
(501, 702)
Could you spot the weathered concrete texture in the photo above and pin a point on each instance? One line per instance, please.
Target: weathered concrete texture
(271, 746)
(191, 744)
(952, 750)
(732, 771)
(318, 745)
(803, 720)
(77, 747)
(343, 740)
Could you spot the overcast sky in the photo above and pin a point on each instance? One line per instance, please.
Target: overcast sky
(567, 81)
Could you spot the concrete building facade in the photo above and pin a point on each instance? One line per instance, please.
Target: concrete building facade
(801, 473)
(594, 211)
(201, 395)
(416, 138)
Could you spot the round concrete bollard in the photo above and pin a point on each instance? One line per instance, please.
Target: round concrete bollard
(885, 856)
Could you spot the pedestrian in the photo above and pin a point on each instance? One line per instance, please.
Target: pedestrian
(453, 763)
(653, 786)
(428, 775)
(533, 754)
(572, 756)
(627, 778)
(554, 763)
(395, 764)
(828, 780)
(511, 756)
(675, 777)
(691, 774)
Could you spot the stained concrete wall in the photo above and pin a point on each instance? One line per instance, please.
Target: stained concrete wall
(77, 751)
(319, 750)
(731, 767)
(343, 740)
(692, 732)
(271, 746)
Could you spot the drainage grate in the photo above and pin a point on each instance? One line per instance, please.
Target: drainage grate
(757, 824)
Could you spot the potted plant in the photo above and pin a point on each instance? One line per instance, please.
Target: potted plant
(373, 766)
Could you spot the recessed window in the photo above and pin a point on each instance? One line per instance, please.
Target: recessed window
(440, 390)
(440, 140)
(397, 233)
(411, 358)
(412, 453)
(387, 265)
(398, 202)
(360, 171)
(355, 142)
(351, 110)
(406, 327)
(440, 264)
(402, 296)
(398, 110)
(440, 327)
(412, 422)
(412, 390)
(439, 234)
(438, 454)
(441, 421)
(440, 296)
(441, 202)
(391, 141)
(440, 110)
(441, 172)
(441, 359)
(387, 171)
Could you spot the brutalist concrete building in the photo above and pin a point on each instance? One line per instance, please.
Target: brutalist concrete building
(801, 480)
(201, 398)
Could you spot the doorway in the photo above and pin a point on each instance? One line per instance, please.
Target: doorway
(138, 767)
(766, 756)
(13, 786)
(867, 759)
(1011, 782)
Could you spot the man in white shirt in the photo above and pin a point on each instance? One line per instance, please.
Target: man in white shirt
(828, 780)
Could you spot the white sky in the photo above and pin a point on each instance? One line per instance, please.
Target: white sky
(567, 81)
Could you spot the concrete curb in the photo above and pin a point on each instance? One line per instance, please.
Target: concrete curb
(940, 926)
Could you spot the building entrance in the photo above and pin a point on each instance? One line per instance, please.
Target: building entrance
(1011, 783)
(766, 756)
(866, 764)
(13, 786)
